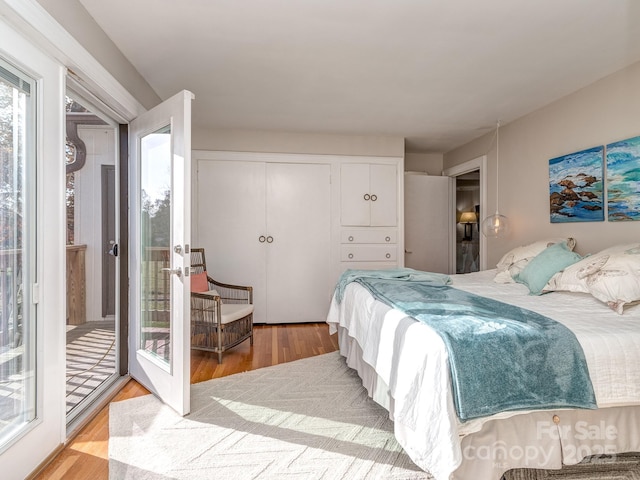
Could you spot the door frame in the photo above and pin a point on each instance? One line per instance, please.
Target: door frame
(478, 163)
(46, 292)
(36, 42)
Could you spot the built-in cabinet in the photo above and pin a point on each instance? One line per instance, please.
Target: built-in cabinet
(369, 215)
(290, 224)
(368, 194)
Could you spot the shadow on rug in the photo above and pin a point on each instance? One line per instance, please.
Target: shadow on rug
(308, 419)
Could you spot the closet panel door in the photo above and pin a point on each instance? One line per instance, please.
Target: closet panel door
(355, 197)
(231, 220)
(299, 255)
(384, 194)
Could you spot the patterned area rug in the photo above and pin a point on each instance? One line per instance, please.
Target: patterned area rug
(304, 420)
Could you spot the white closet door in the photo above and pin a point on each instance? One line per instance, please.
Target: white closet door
(384, 193)
(299, 257)
(355, 203)
(231, 220)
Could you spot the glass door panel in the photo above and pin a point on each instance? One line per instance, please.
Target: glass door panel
(17, 262)
(91, 198)
(155, 244)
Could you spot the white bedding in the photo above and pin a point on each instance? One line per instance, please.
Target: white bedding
(409, 363)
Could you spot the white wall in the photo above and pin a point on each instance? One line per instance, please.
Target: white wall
(77, 21)
(604, 112)
(429, 163)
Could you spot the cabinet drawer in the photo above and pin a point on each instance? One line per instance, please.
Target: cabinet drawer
(389, 236)
(367, 266)
(368, 253)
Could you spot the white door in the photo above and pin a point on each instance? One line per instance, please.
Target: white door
(355, 197)
(383, 191)
(232, 225)
(427, 213)
(159, 329)
(298, 242)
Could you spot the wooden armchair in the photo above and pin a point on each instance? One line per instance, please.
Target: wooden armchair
(221, 314)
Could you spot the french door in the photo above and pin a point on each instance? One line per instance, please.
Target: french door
(159, 329)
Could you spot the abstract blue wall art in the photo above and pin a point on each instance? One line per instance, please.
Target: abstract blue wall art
(623, 180)
(576, 186)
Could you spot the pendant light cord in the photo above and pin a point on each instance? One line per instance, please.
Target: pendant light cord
(497, 166)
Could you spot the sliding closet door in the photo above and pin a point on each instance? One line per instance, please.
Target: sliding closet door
(231, 225)
(299, 224)
(267, 224)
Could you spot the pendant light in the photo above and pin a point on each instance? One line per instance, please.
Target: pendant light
(496, 225)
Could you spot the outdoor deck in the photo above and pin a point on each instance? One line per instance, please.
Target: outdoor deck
(91, 358)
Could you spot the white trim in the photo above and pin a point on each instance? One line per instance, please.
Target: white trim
(479, 163)
(41, 28)
(291, 157)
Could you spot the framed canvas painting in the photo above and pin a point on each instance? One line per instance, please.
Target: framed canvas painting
(623, 180)
(576, 186)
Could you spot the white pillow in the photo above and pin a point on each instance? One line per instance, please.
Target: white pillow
(617, 281)
(612, 276)
(514, 261)
(574, 277)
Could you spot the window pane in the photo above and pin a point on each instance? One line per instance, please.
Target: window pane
(155, 225)
(17, 340)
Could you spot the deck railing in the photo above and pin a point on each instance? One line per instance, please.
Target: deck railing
(10, 299)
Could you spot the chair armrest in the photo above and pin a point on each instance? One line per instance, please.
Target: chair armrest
(233, 293)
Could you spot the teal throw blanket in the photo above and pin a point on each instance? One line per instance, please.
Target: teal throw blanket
(502, 357)
(407, 274)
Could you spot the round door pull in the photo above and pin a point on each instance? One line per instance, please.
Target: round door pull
(351, 238)
(374, 198)
(367, 196)
(388, 255)
(388, 239)
(351, 255)
(262, 238)
(269, 239)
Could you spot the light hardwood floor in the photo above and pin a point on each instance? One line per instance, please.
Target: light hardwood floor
(86, 456)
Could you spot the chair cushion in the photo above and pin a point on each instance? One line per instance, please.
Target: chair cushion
(212, 293)
(234, 311)
(199, 282)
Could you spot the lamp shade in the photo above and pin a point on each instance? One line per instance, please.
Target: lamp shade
(495, 226)
(468, 217)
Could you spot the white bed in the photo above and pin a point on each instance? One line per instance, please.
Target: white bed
(403, 365)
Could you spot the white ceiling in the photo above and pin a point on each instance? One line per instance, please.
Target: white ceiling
(438, 72)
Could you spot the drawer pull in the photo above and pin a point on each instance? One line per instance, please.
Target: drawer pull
(388, 239)
(351, 255)
(262, 238)
(367, 196)
(388, 255)
(351, 238)
(374, 198)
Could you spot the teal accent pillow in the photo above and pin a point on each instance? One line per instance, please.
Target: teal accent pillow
(545, 265)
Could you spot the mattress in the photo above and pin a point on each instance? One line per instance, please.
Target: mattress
(404, 366)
